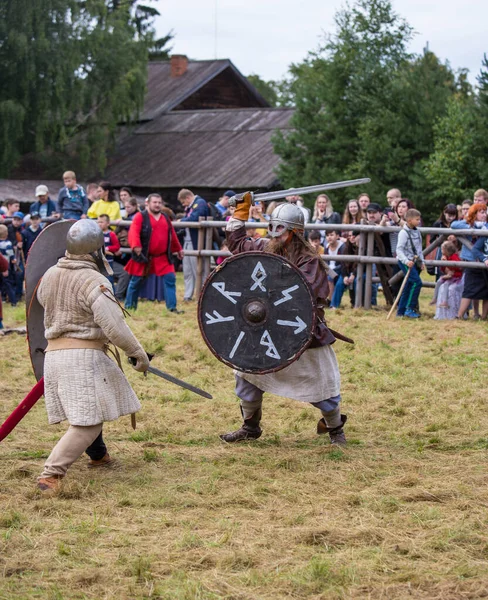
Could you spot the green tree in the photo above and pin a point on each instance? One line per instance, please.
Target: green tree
(366, 107)
(450, 168)
(71, 71)
(336, 89)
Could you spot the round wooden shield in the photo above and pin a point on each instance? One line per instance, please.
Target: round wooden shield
(256, 312)
(48, 248)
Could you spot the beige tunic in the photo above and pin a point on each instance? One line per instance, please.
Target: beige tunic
(84, 386)
(313, 377)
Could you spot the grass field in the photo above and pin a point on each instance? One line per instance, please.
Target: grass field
(401, 513)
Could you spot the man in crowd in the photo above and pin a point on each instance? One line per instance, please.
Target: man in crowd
(44, 206)
(153, 241)
(72, 199)
(195, 207)
(393, 197)
(298, 201)
(223, 204)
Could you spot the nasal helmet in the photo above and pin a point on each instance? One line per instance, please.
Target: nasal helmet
(86, 237)
(286, 217)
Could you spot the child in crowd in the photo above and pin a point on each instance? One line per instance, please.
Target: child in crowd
(314, 239)
(410, 260)
(72, 198)
(449, 287)
(30, 233)
(3, 273)
(220, 259)
(112, 244)
(7, 280)
(333, 248)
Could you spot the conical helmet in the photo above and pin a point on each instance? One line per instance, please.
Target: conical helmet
(285, 217)
(84, 237)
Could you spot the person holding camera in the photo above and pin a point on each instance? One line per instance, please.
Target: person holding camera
(411, 262)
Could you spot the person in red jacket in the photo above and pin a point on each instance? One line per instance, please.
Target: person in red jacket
(153, 241)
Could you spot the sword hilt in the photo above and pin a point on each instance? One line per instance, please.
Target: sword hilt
(240, 198)
(133, 361)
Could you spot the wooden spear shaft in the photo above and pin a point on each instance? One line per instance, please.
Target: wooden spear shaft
(399, 295)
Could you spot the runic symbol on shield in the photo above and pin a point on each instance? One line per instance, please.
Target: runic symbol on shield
(256, 312)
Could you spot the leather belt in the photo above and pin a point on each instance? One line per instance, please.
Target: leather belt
(67, 343)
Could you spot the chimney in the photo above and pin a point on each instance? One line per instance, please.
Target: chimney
(179, 65)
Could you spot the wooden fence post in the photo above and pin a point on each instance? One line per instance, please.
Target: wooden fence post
(369, 272)
(208, 246)
(200, 245)
(358, 302)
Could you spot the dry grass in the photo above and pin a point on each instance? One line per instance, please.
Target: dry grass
(402, 513)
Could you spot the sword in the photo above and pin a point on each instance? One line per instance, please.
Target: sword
(311, 189)
(175, 380)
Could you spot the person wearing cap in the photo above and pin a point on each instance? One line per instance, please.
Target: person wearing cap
(223, 204)
(44, 205)
(30, 233)
(315, 378)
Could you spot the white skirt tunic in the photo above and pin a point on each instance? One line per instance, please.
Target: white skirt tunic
(86, 387)
(313, 377)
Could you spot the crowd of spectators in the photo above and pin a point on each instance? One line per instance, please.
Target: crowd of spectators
(144, 264)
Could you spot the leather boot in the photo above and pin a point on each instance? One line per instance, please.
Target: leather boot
(49, 486)
(249, 430)
(336, 434)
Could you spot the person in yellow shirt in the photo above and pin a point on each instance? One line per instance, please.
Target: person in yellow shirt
(107, 203)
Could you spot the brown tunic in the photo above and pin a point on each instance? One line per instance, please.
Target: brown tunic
(238, 241)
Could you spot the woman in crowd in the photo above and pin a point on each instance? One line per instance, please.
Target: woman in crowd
(480, 252)
(124, 195)
(475, 280)
(107, 204)
(323, 213)
(352, 213)
(131, 209)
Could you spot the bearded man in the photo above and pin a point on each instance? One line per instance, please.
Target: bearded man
(317, 367)
(153, 241)
(81, 384)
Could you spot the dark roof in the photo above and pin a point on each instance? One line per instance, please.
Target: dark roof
(24, 190)
(208, 148)
(165, 93)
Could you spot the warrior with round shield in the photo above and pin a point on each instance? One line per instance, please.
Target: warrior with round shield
(314, 377)
(81, 383)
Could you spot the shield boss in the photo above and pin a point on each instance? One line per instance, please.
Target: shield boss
(256, 312)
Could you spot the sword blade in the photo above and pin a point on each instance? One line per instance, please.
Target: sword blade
(179, 382)
(311, 189)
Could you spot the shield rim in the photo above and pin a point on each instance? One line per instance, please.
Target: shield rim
(313, 324)
(31, 293)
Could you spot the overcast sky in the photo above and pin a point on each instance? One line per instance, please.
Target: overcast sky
(265, 36)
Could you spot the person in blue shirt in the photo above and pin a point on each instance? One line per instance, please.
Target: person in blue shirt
(195, 207)
(44, 205)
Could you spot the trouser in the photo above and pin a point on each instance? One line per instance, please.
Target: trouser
(72, 214)
(123, 279)
(411, 292)
(70, 447)
(190, 264)
(8, 286)
(189, 271)
(251, 398)
(169, 284)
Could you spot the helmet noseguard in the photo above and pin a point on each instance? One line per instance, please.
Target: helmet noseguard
(84, 237)
(285, 217)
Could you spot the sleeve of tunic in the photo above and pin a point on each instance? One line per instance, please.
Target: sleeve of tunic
(135, 232)
(108, 316)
